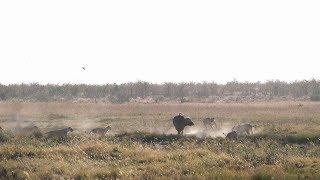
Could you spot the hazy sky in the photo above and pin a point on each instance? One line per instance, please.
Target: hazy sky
(156, 41)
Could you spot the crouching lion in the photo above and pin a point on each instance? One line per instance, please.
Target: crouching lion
(61, 133)
(243, 129)
(101, 130)
(233, 135)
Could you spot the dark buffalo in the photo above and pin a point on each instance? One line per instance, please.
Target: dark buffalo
(180, 122)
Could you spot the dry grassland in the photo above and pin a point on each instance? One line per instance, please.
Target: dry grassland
(141, 143)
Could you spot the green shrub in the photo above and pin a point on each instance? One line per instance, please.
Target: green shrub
(315, 97)
(4, 137)
(13, 174)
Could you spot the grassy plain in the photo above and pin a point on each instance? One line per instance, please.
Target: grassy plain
(142, 143)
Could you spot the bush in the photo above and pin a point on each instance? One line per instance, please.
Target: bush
(4, 137)
(315, 97)
(13, 174)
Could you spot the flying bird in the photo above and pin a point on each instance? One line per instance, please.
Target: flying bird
(84, 68)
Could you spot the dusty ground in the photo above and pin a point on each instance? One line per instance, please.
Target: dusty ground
(140, 143)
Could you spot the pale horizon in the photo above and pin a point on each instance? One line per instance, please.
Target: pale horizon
(168, 41)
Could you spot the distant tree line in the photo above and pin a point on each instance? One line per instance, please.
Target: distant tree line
(148, 92)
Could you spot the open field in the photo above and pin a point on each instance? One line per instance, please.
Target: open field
(285, 143)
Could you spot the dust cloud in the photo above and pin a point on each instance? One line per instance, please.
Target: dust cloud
(203, 133)
(16, 117)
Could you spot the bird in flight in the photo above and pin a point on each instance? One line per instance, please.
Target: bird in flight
(84, 68)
